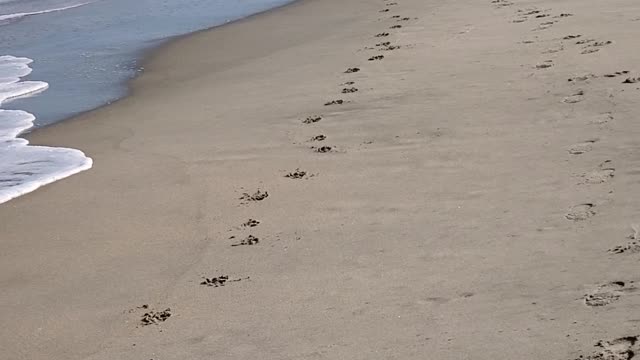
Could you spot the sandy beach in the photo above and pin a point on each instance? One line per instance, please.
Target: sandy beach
(388, 179)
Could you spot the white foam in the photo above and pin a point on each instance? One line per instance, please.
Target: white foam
(20, 15)
(24, 168)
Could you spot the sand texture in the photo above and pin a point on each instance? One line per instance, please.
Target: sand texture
(348, 179)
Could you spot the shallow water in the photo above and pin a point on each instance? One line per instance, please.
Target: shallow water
(83, 53)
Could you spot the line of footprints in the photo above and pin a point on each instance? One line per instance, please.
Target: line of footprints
(601, 295)
(154, 317)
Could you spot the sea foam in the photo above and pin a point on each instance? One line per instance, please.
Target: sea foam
(24, 168)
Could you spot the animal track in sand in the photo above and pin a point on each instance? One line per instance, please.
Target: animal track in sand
(553, 50)
(250, 223)
(624, 348)
(384, 10)
(297, 174)
(604, 173)
(349, 90)
(334, 102)
(547, 64)
(155, 317)
(631, 80)
(601, 119)
(617, 73)
(569, 37)
(584, 41)
(396, 27)
(318, 138)
(501, 3)
(348, 83)
(352, 70)
(219, 281)
(575, 98)
(605, 294)
(544, 25)
(312, 119)
(377, 57)
(581, 78)
(632, 247)
(390, 48)
(384, 34)
(581, 148)
(404, 19)
(589, 51)
(580, 212)
(248, 241)
(257, 196)
(323, 149)
(563, 15)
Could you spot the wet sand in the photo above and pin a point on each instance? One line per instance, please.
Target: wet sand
(468, 191)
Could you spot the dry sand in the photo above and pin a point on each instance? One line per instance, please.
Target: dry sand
(469, 208)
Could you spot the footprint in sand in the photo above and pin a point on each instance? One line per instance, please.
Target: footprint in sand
(396, 27)
(384, 10)
(297, 174)
(576, 97)
(250, 223)
(384, 34)
(323, 149)
(349, 90)
(569, 37)
(257, 196)
(584, 41)
(334, 102)
(580, 212)
(581, 148)
(312, 119)
(154, 317)
(377, 57)
(616, 74)
(547, 64)
(318, 138)
(352, 70)
(248, 241)
(604, 173)
(624, 348)
(581, 78)
(219, 281)
(633, 246)
(601, 119)
(553, 50)
(631, 80)
(501, 3)
(606, 294)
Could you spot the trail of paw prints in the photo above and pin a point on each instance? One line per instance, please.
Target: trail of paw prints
(623, 348)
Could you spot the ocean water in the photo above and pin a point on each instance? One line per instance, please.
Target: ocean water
(59, 58)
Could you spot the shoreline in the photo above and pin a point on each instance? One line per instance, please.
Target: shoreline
(347, 180)
(147, 56)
